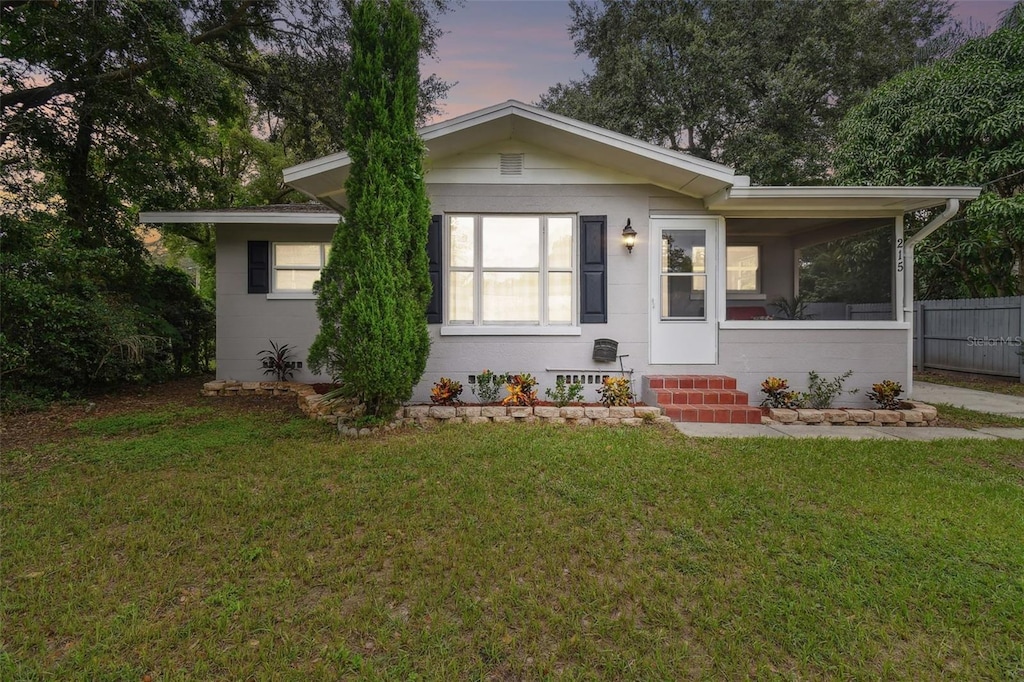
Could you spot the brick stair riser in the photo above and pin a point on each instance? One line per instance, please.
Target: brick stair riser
(691, 382)
(714, 414)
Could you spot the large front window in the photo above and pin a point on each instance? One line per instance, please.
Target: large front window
(511, 269)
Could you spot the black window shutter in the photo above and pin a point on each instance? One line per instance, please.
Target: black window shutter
(593, 269)
(259, 267)
(434, 256)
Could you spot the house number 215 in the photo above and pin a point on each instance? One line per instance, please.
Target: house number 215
(899, 255)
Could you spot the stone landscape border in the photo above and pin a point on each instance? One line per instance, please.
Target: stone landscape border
(911, 412)
(311, 403)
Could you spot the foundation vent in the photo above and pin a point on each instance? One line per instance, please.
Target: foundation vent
(511, 164)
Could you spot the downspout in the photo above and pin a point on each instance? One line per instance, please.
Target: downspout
(952, 207)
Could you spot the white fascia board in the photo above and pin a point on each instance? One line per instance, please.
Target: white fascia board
(688, 162)
(238, 217)
(316, 166)
(850, 192)
(887, 199)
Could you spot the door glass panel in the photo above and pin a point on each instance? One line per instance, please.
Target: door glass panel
(682, 251)
(682, 297)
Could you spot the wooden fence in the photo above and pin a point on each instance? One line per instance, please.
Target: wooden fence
(977, 335)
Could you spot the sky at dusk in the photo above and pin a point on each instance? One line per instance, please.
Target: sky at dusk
(496, 50)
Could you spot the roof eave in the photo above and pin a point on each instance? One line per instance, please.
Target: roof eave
(238, 217)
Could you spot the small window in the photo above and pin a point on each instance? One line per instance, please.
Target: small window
(743, 269)
(297, 266)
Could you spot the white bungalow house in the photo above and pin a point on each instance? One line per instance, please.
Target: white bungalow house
(530, 265)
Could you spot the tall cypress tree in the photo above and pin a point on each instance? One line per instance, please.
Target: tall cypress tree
(374, 290)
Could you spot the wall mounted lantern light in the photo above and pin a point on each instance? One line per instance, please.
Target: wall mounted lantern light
(629, 236)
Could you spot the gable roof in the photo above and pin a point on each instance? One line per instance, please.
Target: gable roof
(325, 177)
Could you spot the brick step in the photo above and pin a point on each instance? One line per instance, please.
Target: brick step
(709, 399)
(714, 414)
(690, 381)
(700, 396)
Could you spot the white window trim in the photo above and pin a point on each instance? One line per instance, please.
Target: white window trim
(480, 328)
(805, 325)
(496, 330)
(294, 294)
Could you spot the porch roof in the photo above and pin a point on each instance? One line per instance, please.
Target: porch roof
(861, 202)
(273, 214)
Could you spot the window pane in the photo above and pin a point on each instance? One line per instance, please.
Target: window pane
(511, 242)
(560, 297)
(560, 243)
(511, 297)
(741, 268)
(327, 253)
(682, 251)
(297, 254)
(295, 280)
(460, 297)
(682, 296)
(460, 239)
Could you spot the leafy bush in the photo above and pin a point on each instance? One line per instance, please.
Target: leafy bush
(77, 319)
(277, 360)
(521, 390)
(446, 392)
(821, 393)
(487, 386)
(886, 394)
(616, 391)
(565, 393)
(778, 395)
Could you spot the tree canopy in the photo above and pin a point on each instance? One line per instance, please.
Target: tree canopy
(109, 105)
(959, 121)
(757, 85)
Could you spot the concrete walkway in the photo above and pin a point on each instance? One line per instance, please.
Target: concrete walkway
(915, 433)
(980, 401)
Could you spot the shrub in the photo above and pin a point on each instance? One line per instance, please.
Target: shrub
(886, 394)
(487, 386)
(374, 290)
(616, 391)
(277, 361)
(446, 392)
(778, 395)
(521, 390)
(565, 393)
(821, 393)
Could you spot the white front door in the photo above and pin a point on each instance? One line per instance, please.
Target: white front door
(684, 320)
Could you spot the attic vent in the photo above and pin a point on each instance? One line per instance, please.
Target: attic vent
(511, 164)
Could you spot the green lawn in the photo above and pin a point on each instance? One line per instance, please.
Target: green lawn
(191, 544)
